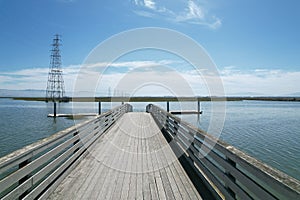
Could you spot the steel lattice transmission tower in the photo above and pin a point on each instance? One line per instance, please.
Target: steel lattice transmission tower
(55, 86)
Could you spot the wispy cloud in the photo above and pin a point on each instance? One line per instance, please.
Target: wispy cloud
(235, 80)
(150, 4)
(261, 81)
(191, 11)
(35, 78)
(130, 64)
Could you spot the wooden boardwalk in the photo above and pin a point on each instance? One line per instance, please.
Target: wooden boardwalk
(131, 161)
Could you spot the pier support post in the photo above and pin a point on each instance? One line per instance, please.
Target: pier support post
(168, 106)
(54, 109)
(199, 112)
(99, 107)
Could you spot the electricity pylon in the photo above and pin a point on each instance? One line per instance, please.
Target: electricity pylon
(55, 86)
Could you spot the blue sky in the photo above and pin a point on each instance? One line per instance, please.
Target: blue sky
(255, 44)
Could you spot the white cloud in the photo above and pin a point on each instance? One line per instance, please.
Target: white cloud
(147, 83)
(146, 3)
(260, 81)
(130, 64)
(235, 80)
(216, 24)
(150, 4)
(34, 78)
(192, 12)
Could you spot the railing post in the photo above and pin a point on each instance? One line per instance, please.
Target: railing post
(54, 109)
(99, 107)
(148, 108)
(129, 108)
(168, 106)
(199, 112)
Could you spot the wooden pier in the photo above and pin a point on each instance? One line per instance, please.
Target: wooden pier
(131, 161)
(125, 155)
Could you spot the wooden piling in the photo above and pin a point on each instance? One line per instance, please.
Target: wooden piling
(168, 106)
(54, 109)
(99, 107)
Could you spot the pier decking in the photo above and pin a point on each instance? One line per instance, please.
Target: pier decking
(131, 161)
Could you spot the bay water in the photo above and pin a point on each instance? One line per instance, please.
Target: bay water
(266, 130)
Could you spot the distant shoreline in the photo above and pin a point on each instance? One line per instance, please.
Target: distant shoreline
(159, 99)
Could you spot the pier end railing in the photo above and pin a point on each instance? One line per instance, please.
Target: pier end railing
(227, 171)
(34, 171)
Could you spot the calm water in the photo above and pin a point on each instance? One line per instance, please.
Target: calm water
(268, 131)
(25, 122)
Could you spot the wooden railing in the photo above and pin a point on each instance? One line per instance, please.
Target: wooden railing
(35, 171)
(228, 172)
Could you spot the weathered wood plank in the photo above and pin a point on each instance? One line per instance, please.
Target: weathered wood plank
(105, 185)
(121, 165)
(91, 189)
(151, 179)
(171, 159)
(145, 169)
(125, 186)
(116, 166)
(131, 161)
